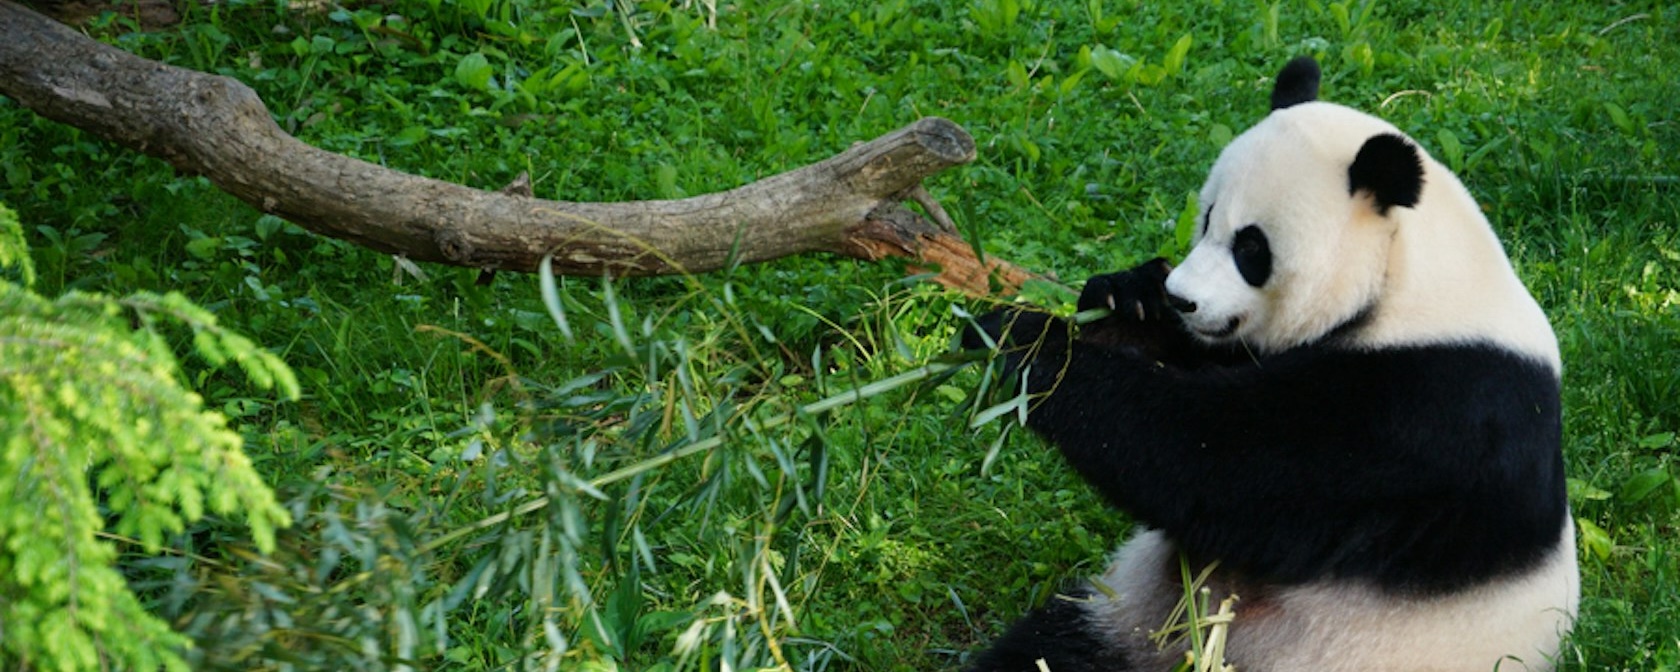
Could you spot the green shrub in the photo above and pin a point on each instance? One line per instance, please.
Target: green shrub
(100, 442)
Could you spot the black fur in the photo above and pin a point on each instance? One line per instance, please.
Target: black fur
(1020, 335)
(1297, 83)
(1422, 469)
(1389, 167)
(1058, 634)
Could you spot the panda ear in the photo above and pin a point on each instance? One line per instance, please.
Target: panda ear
(1388, 167)
(1296, 84)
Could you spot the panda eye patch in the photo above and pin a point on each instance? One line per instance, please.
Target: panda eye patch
(1253, 255)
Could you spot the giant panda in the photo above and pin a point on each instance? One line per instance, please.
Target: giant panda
(1343, 401)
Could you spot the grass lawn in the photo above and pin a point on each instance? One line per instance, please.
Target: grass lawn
(885, 534)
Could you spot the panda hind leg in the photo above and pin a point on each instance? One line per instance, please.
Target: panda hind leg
(1060, 635)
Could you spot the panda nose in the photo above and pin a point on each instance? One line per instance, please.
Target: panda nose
(1180, 303)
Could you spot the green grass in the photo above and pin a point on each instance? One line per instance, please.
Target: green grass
(891, 545)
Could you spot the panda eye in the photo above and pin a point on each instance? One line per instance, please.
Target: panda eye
(1247, 246)
(1253, 255)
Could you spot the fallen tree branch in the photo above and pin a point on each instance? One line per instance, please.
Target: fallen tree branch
(217, 127)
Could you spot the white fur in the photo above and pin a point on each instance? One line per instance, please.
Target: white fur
(1512, 624)
(1433, 273)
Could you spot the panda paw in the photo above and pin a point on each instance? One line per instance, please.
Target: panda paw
(1134, 296)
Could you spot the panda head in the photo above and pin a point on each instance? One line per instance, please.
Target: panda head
(1296, 221)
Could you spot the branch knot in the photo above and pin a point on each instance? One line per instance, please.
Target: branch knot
(454, 246)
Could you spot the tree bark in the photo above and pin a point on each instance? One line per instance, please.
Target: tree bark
(849, 204)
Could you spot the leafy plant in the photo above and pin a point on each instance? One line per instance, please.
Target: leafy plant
(97, 433)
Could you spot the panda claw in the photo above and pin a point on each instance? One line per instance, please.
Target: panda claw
(1139, 306)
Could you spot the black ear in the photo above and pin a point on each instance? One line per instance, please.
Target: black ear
(1298, 83)
(1390, 168)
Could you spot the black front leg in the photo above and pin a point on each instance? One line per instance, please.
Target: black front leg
(1061, 635)
(1021, 337)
